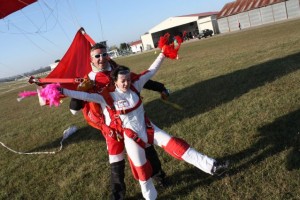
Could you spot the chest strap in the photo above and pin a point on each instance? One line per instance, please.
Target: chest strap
(125, 111)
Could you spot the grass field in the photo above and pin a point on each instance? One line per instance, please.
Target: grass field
(239, 96)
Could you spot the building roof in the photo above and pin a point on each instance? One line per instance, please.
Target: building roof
(136, 42)
(200, 14)
(240, 6)
(180, 20)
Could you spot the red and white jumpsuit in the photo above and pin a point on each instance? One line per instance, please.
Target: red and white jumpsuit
(135, 121)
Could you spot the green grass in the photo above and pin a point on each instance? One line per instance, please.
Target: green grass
(240, 100)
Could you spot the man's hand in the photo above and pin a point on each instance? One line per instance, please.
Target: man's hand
(85, 85)
(165, 94)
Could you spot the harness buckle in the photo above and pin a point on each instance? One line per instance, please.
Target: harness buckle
(116, 116)
(78, 80)
(118, 136)
(135, 137)
(111, 133)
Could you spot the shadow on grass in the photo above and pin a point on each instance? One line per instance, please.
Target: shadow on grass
(193, 176)
(206, 95)
(82, 134)
(281, 135)
(194, 179)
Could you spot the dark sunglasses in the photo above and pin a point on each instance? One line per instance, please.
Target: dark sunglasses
(100, 55)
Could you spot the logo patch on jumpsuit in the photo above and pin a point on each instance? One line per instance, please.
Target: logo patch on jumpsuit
(122, 104)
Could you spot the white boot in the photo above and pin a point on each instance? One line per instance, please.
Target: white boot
(148, 190)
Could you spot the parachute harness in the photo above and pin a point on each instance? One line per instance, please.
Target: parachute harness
(66, 134)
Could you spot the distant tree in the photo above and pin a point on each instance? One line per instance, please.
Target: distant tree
(124, 46)
(114, 47)
(104, 43)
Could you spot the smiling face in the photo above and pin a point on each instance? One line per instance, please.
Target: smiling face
(123, 82)
(121, 77)
(99, 58)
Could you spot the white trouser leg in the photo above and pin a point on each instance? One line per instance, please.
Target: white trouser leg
(138, 157)
(148, 190)
(203, 162)
(199, 160)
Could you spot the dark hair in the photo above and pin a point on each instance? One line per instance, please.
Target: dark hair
(98, 46)
(119, 70)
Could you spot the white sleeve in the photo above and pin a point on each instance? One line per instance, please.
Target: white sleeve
(139, 84)
(91, 97)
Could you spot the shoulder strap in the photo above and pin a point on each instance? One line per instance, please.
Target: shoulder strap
(120, 112)
(107, 97)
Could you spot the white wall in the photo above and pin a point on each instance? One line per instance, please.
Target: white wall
(205, 23)
(233, 23)
(279, 11)
(255, 17)
(243, 18)
(266, 14)
(147, 41)
(269, 14)
(223, 25)
(293, 8)
(136, 48)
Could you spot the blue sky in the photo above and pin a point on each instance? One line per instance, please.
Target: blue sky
(40, 33)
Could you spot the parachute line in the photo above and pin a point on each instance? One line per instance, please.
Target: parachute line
(68, 132)
(74, 15)
(99, 17)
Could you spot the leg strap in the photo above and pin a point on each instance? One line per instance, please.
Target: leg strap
(133, 135)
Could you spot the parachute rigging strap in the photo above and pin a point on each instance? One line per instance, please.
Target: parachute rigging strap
(42, 81)
(117, 124)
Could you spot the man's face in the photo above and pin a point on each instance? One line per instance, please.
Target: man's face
(99, 58)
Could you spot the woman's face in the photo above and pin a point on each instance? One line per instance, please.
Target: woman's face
(123, 82)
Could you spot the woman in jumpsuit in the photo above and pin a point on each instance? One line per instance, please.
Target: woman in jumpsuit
(126, 102)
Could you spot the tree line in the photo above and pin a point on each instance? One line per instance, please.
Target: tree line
(26, 74)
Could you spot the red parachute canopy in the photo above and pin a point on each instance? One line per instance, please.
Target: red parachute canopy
(9, 6)
(75, 64)
(76, 61)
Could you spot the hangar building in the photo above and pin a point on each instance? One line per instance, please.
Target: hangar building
(192, 24)
(250, 13)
